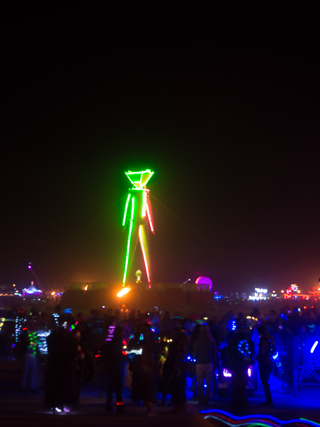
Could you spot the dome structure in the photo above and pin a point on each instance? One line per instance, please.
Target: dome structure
(204, 283)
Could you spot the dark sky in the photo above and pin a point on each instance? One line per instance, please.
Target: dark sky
(222, 102)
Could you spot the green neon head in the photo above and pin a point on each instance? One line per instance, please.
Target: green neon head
(139, 179)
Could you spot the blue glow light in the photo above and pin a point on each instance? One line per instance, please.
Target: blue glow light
(314, 347)
(267, 420)
(228, 374)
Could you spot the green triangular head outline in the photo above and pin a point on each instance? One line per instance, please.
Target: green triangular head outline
(139, 179)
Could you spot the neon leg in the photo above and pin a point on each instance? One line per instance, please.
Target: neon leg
(145, 251)
(128, 244)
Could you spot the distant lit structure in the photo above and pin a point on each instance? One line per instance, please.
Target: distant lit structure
(9, 291)
(204, 283)
(293, 292)
(138, 219)
(259, 294)
(32, 290)
(315, 293)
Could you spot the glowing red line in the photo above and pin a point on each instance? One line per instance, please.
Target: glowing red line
(150, 220)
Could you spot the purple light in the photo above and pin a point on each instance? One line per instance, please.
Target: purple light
(30, 266)
(226, 373)
(204, 283)
(31, 291)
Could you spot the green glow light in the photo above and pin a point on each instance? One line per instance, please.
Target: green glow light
(128, 244)
(126, 209)
(139, 179)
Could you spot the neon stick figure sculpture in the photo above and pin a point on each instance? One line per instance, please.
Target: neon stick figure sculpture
(137, 215)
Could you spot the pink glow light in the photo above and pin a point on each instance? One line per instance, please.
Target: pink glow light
(150, 219)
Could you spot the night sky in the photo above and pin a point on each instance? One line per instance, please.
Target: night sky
(222, 102)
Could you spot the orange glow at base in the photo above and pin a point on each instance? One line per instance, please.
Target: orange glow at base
(124, 291)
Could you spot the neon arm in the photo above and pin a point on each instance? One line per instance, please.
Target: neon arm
(126, 210)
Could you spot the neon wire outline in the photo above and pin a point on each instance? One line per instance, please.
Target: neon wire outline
(126, 209)
(128, 244)
(144, 253)
(257, 418)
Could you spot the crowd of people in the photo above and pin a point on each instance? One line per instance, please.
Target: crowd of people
(152, 354)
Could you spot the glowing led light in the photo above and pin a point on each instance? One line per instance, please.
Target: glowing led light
(253, 420)
(314, 347)
(124, 291)
(139, 351)
(233, 324)
(44, 334)
(226, 373)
